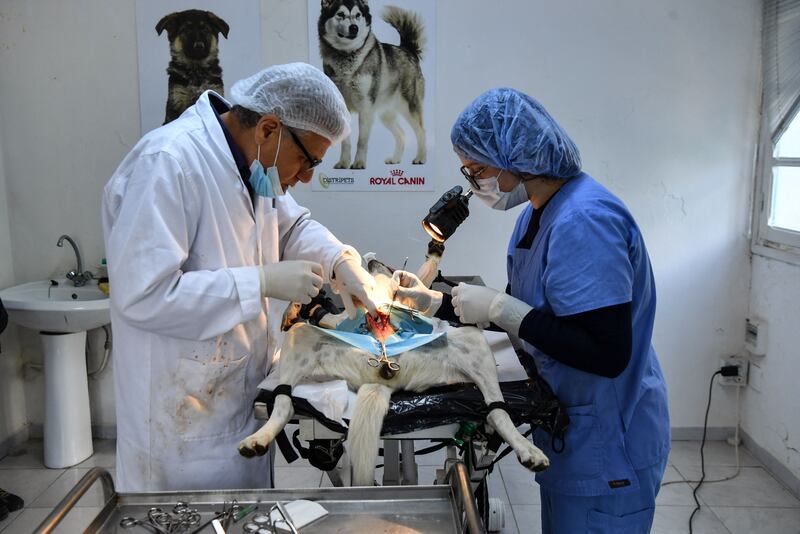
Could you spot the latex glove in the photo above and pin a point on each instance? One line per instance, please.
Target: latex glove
(354, 284)
(508, 312)
(412, 292)
(471, 303)
(293, 281)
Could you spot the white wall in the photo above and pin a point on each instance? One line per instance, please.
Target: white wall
(13, 415)
(70, 109)
(770, 404)
(661, 97)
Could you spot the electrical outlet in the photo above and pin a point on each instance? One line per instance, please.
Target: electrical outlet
(738, 380)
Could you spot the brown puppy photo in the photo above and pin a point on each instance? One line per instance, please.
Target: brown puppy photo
(194, 65)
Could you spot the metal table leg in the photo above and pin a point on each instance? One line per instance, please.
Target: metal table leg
(391, 462)
(409, 465)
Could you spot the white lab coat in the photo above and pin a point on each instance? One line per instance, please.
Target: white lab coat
(191, 336)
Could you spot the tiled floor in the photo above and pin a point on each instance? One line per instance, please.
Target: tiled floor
(754, 502)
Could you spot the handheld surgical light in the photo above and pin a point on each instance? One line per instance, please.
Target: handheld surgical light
(447, 214)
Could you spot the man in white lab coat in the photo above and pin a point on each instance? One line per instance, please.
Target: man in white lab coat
(199, 230)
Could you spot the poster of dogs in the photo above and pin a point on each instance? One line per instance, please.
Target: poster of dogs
(381, 55)
(188, 46)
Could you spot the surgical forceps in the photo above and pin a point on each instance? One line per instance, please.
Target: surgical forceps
(163, 522)
(156, 520)
(384, 360)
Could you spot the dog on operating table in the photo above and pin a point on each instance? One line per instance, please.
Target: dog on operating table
(463, 355)
(194, 57)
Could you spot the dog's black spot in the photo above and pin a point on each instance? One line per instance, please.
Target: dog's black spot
(386, 373)
(318, 346)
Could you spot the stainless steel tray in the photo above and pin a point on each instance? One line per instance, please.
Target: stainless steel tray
(448, 508)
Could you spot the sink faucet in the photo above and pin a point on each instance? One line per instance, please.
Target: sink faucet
(78, 277)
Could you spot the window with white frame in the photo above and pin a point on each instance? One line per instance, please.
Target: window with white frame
(777, 228)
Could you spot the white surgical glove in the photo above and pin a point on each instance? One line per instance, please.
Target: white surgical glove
(353, 283)
(471, 303)
(412, 292)
(508, 312)
(293, 281)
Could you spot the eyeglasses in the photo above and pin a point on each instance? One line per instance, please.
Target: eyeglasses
(472, 178)
(312, 161)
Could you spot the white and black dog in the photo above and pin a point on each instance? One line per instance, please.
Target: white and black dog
(375, 78)
(461, 356)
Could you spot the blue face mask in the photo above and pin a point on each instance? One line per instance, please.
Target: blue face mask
(266, 183)
(413, 330)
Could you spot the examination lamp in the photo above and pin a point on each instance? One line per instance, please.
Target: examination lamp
(447, 214)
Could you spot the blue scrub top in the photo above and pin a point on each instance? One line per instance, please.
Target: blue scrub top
(588, 254)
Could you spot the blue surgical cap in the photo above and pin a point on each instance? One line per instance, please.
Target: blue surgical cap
(507, 129)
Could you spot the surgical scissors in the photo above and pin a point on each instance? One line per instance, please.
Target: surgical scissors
(163, 522)
(154, 521)
(384, 360)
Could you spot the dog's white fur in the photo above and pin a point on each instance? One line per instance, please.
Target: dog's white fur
(462, 356)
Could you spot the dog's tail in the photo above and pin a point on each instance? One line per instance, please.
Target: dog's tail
(409, 25)
(372, 403)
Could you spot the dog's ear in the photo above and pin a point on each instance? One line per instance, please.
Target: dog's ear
(326, 3)
(290, 316)
(168, 23)
(218, 24)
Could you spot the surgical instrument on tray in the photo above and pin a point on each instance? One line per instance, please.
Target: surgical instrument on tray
(286, 517)
(244, 512)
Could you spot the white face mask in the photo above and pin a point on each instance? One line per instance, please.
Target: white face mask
(491, 195)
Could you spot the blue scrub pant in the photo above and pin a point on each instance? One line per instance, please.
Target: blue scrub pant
(626, 513)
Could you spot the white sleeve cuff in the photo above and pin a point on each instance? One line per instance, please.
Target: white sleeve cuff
(508, 312)
(248, 282)
(347, 253)
(436, 303)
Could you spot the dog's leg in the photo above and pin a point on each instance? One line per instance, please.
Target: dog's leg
(344, 159)
(372, 404)
(419, 131)
(415, 120)
(389, 119)
(366, 117)
(469, 352)
(298, 359)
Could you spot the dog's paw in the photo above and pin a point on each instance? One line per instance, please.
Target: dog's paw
(342, 164)
(358, 165)
(533, 458)
(250, 446)
(418, 161)
(391, 161)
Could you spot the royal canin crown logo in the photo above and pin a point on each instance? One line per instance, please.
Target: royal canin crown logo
(397, 177)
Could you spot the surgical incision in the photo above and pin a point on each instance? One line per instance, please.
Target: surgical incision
(380, 326)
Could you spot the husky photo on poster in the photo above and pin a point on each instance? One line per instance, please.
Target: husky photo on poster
(380, 55)
(189, 46)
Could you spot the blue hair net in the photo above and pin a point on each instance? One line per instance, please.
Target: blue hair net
(507, 129)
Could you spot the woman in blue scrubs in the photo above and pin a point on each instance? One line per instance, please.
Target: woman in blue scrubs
(581, 296)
